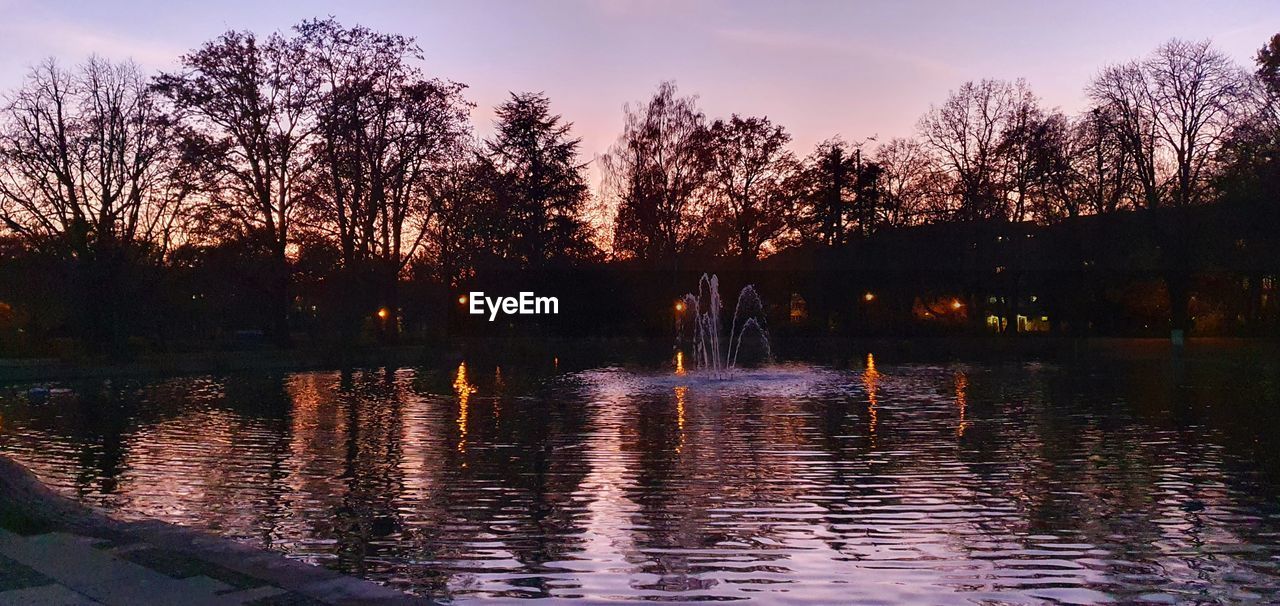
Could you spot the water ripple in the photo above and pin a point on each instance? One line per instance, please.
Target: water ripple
(953, 484)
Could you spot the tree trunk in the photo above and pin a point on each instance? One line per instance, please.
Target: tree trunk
(1177, 273)
(278, 298)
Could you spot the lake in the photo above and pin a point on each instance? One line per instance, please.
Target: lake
(855, 480)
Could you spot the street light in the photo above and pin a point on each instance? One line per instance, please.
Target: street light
(679, 306)
(869, 297)
(462, 299)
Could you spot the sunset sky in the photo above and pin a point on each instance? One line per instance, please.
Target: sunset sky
(857, 69)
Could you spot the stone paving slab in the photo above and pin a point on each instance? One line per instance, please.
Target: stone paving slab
(290, 599)
(181, 566)
(69, 559)
(45, 595)
(66, 568)
(74, 562)
(257, 595)
(14, 575)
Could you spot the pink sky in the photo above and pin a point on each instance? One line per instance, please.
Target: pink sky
(857, 69)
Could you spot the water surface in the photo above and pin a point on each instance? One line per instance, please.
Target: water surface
(861, 481)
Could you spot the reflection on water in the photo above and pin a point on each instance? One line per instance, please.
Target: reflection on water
(928, 484)
(870, 384)
(464, 390)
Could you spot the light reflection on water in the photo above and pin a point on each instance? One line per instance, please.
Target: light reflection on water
(867, 482)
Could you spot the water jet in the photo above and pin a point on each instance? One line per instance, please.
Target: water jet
(710, 353)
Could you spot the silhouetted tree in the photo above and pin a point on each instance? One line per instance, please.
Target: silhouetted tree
(1268, 61)
(909, 183)
(539, 181)
(90, 173)
(1035, 152)
(250, 106)
(88, 161)
(750, 169)
(1249, 180)
(384, 130)
(465, 227)
(966, 132)
(655, 172)
(837, 193)
(1172, 111)
(1021, 129)
(1052, 187)
(1102, 165)
(270, 177)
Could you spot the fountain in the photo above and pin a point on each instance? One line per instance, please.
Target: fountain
(709, 353)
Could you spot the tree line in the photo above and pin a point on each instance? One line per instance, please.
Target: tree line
(326, 159)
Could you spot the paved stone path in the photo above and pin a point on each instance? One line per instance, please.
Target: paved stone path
(54, 551)
(66, 569)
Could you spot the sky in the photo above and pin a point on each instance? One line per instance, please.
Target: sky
(857, 69)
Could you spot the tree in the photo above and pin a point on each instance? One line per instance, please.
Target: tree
(908, 182)
(1268, 61)
(835, 189)
(1102, 165)
(383, 131)
(1020, 130)
(655, 173)
(539, 181)
(90, 173)
(1034, 152)
(1172, 112)
(88, 162)
(250, 107)
(465, 230)
(749, 171)
(1053, 183)
(966, 132)
(1249, 177)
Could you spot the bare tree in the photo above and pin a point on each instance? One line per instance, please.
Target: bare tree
(1104, 169)
(459, 219)
(1172, 111)
(90, 173)
(250, 106)
(1020, 150)
(88, 162)
(1053, 184)
(908, 182)
(966, 132)
(383, 130)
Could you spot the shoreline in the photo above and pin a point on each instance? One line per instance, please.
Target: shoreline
(47, 532)
(35, 369)
(17, 370)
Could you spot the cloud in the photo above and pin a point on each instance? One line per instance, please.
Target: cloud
(807, 43)
(631, 8)
(30, 42)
